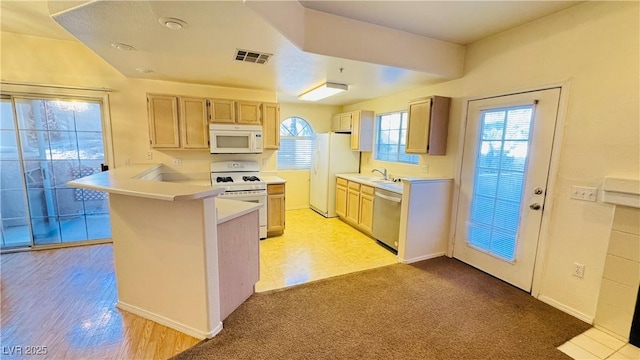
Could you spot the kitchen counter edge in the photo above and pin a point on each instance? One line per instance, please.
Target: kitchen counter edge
(128, 181)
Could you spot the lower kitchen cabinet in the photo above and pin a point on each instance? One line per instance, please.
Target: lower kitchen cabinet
(354, 204)
(366, 208)
(341, 197)
(275, 209)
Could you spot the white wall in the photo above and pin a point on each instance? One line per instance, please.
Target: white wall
(594, 47)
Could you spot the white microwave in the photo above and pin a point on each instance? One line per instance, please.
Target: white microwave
(235, 139)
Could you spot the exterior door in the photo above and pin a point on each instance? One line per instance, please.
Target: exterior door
(46, 144)
(505, 168)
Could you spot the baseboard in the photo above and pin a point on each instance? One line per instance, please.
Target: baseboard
(420, 258)
(168, 322)
(569, 310)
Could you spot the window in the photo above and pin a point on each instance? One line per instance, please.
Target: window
(391, 137)
(297, 141)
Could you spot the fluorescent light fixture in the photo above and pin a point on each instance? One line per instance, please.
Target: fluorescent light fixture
(323, 91)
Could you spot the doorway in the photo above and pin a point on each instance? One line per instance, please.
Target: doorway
(505, 168)
(44, 143)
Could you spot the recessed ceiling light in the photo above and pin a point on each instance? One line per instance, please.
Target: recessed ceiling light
(144, 70)
(173, 23)
(121, 46)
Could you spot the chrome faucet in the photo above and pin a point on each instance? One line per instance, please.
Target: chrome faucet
(384, 174)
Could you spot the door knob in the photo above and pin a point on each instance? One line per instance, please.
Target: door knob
(535, 206)
(538, 191)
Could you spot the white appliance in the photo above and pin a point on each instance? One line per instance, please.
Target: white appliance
(241, 181)
(332, 155)
(235, 139)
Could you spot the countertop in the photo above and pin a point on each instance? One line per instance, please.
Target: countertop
(227, 209)
(378, 182)
(273, 179)
(127, 181)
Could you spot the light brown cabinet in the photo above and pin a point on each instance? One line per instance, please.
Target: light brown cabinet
(164, 131)
(177, 122)
(270, 126)
(222, 111)
(365, 220)
(360, 124)
(248, 113)
(354, 204)
(428, 125)
(275, 209)
(341, 197)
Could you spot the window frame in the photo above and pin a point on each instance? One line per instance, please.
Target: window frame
(285, 138)
(404, 120)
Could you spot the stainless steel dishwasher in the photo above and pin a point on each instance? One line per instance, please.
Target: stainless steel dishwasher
(386, 217)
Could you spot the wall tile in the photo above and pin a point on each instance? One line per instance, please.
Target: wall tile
(625, 245)
(627, 219)
(621, 270)
(615, 307)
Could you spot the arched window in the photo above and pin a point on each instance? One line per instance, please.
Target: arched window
(297, 141)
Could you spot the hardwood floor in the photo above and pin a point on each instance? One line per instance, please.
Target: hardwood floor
(65, 300)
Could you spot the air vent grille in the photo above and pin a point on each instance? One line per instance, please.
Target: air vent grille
(252, 56)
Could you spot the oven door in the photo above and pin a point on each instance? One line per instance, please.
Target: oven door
(254, 198)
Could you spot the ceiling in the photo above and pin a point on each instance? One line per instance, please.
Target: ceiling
(203, 52)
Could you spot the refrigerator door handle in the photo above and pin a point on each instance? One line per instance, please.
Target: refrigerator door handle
(315, 161)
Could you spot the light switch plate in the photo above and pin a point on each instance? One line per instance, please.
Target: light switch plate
(583, 193)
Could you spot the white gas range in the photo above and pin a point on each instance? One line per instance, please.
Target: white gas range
(241, 181)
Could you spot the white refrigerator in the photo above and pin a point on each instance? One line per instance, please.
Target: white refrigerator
(332, 155)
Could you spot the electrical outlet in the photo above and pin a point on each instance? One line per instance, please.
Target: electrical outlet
(424, 169)
(578, 270)
(177, 162)
(583, 193)
(127, 162)
(149, 155)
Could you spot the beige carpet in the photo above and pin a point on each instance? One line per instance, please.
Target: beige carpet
(434, 309)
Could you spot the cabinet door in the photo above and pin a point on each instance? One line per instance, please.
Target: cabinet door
(222, 111)
(275, 208)
(163, 121)
(353, 202)
(194, 126)
(248, 112)
(271, 126)
(355, 130)
(418, 128)
(345, 122)
(341, 200)
(366, 212)
(335, 122)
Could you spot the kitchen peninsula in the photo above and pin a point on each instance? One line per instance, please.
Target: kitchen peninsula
(174, 248)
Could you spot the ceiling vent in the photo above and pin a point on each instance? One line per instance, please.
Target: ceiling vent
(252, 56)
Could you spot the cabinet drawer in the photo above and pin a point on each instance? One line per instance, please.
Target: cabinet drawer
(369, 190)
(354, 186)
(341, 182)
(273, 189)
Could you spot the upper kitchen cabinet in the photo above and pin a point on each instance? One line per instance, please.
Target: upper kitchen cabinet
(271, 126)
(222, 111)
(362, 130)
(428, 125)
(177, 123)
(248, 112)
(360, 124)
(194, 126)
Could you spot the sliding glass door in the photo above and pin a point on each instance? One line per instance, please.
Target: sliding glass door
(45, 143)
